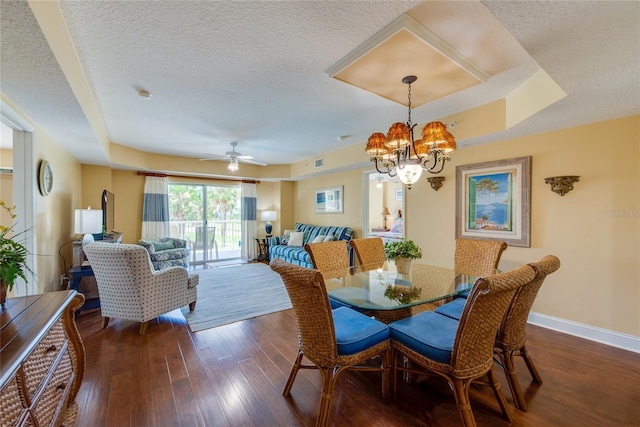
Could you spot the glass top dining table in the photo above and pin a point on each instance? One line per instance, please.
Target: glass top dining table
(381, 291)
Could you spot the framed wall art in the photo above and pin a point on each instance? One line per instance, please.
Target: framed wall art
(493, 201)
(329, 200)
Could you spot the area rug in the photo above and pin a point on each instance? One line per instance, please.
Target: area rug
(234, 293)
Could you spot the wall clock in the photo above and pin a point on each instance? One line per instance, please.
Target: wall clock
(45, 178)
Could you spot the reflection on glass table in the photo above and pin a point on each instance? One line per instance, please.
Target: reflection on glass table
(381, 291)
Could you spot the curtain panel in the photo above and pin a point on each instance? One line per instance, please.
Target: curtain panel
(155, 208)
(248, 220)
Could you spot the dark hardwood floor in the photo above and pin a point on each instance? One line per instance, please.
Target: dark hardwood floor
(234, 375)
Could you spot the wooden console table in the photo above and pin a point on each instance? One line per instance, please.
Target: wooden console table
(42, 360)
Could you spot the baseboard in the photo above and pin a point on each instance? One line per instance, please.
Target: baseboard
(604, 336)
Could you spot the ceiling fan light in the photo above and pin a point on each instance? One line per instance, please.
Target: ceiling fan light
(233, 165)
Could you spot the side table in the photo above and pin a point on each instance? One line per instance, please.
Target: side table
(77, 273)
(263, 250)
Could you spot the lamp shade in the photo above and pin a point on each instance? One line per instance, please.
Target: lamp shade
(88, 221)
(385, 211)
(268, 215)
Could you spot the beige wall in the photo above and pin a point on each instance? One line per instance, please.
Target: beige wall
(55, 212)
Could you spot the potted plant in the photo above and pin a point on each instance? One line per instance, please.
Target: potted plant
(402, 252)
(13, 257)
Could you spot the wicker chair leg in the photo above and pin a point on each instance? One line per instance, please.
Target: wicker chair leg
(386, 371)
(143, 327)
(105, 322)
(292, 376)
(461, 394)
(532, 368)
(507, 359)
(192, 306)
(329, 378)
(495, 385)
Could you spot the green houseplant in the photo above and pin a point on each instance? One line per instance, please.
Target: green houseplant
(402, 252)
(13, 257)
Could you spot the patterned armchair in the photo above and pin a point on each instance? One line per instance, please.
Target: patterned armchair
(167, 252)
(131, 289)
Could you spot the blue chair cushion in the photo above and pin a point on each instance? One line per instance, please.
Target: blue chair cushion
(453, 308)
(428, 333)
(356, 332)
(463, 294)
(336, 304)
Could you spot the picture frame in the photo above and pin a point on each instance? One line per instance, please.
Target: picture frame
(493, 201)
(399, 194)
(329, 200)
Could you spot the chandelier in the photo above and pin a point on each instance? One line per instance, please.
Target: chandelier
(398, 154)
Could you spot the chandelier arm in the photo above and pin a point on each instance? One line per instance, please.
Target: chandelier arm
(375, 160)
(427, 160)
(443, 160)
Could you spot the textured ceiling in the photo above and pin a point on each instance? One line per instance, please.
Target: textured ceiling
(256, 72)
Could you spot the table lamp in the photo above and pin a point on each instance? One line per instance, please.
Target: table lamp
(385, 213)
(268, 216)
(88, 222)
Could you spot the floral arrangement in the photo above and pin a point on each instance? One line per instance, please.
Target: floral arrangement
(402, 294)
(13, 255)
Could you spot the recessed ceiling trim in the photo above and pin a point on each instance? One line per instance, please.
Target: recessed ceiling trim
(407, 23)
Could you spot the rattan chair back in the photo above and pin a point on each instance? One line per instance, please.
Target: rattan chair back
(478, 258)
(486, 306)
(310, 301)
(330, 258)
(512, 333)
(317, 336)
(369, 251)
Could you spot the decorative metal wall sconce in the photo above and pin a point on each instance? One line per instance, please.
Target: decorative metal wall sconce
(562, 184)
(436, 182)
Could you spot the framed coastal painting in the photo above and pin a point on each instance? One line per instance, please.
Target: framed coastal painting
(329, 200)
(493, 201)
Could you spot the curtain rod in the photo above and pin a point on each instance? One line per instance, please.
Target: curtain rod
(164, 175)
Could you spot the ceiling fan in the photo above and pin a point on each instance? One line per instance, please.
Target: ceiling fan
(235, 157)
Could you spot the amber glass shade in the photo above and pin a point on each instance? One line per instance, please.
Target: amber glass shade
(421, 148)
(449, 145)
(399, 136)
(376, 145)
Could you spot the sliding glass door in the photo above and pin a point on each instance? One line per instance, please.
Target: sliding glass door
(208, 217)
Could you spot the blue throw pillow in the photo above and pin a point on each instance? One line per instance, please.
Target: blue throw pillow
(162, 246)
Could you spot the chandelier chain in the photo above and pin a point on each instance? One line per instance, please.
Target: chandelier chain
(409, 104)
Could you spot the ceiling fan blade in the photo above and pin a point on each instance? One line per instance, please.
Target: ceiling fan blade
(253, 162)
(213, 157)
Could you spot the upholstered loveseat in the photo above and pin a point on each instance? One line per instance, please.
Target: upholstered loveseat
(281, 247)
(167, 252)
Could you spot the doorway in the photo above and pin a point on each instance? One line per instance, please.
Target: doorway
(23, 189)
(384, 202)
(208, 218)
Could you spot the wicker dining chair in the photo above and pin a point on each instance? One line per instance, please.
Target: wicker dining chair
(478, 258)
(330, 258)
(333, 340)
(460, 351)
(369, 251)
(511, 338)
